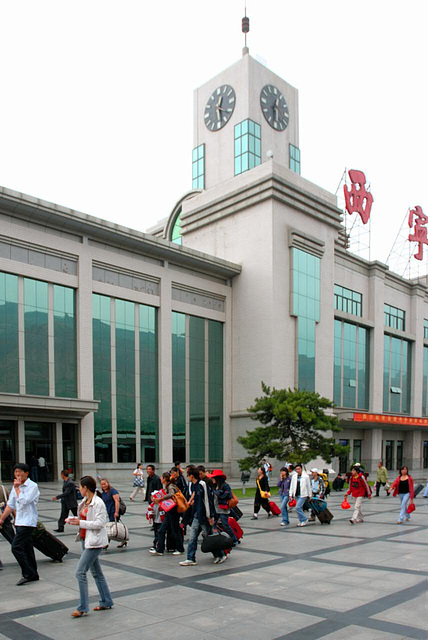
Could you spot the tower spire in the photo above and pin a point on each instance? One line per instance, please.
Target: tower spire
(245, 30)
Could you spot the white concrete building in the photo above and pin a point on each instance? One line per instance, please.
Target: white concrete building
(120, 346)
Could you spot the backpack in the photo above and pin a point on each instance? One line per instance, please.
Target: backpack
(122, 507)
(181, 502)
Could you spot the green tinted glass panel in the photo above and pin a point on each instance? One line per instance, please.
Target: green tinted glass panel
(101, 348)
(65, 347)
(197, 388)
(36, 337)
(9, 354)
(351, 370)
(396, 375)
(425, 384)
(306, 305)
(125, 380)
(179, 384)
(149, 412)
(176, 232)
(215, 391)
(294, 153)
(198, 167)
(247, 146)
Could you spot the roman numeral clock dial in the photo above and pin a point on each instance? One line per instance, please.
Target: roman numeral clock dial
(274, 107)
(219, 107)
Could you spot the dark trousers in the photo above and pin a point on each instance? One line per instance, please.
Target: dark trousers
(378, 487)
(23, 550)
(170, 524)
(64, 514)
(261, 502)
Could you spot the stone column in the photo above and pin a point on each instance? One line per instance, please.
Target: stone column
(412, 454)
(165, 370)
(371, 449)
(59, 462)
(375, 312)
(21, 440)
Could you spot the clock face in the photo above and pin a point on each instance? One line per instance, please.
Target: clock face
(220, 107)
(274, 107)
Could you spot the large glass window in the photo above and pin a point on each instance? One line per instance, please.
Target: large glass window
(295, 159)
(425, 329)
(351, 370)
(400, 448)
(394, 317)
(425, 384)
(125, 380)
(396, 375)
(36, 337)
(148, 383)
(101, 345)
(343, 460)
(347, 300)
(9, 354)
(389, 454)
(65, 347)
(198, 167)
(247, 146)
(306, 306)
(197, 376)
(356, 451)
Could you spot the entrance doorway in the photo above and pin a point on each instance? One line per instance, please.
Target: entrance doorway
(39, 443)
(7, 449)
(69, 439)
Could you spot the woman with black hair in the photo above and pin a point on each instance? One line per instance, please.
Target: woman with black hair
(171, 522)
(91, 520)
(222, 494)
(261, 499)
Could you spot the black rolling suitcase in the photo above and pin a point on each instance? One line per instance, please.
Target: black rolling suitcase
(48, 544)
(418, 489)
(8, 530)
(236, 513)
(325, 517)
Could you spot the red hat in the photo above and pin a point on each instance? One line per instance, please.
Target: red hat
(216, 473)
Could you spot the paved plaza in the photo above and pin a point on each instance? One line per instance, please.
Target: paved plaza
(336, 582)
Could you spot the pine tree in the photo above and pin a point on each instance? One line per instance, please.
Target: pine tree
(294, 423)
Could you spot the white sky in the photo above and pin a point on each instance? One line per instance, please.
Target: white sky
(96, 103)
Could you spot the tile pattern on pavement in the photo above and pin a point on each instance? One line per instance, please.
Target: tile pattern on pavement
(336, 582)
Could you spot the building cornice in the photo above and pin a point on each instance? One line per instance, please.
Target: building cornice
(266, 182)
(52, 215)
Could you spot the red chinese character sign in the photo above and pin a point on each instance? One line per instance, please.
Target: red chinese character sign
(357, 198)
(418, 220)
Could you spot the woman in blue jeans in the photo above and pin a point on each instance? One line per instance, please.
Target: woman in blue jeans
(284, 487)
(403, 486)
(91, 521)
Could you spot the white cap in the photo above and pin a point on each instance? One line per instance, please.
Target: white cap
(314, 470)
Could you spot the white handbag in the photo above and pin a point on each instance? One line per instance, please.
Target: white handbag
(117, 531)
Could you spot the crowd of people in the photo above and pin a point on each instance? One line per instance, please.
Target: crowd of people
(179, 502)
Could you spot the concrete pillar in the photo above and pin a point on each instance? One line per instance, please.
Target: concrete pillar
(165, 369)
(59, 461)
(371, 449)
(416, 326)
(86, 451)
(375, 313)
(412, 454)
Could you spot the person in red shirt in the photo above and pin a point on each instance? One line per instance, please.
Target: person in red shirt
(404, 488)
(359, 489)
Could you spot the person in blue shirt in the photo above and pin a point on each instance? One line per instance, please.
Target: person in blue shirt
(23, 500)
(110, 495)
(284, 487)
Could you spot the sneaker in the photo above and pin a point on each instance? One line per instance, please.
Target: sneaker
(352, 521)
(156, 553)
(303, 524)
(152, 549)
(399, 522)
(284, 524)
(255, 518)
(216, 560)
(177, 553)
(222, 559)
(188, 563)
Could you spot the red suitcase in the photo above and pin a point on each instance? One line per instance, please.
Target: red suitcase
(237, 530)
(274, 508)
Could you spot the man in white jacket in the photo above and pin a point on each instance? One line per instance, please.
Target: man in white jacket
(301, 490)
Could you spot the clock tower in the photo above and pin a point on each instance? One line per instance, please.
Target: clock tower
(243, 116)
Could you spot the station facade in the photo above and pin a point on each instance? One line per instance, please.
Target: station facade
(119, 346)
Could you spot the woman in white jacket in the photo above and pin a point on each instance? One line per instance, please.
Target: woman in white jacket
(301, 490)
(91, 519)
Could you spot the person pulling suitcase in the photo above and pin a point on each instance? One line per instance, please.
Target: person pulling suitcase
(68, 500)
